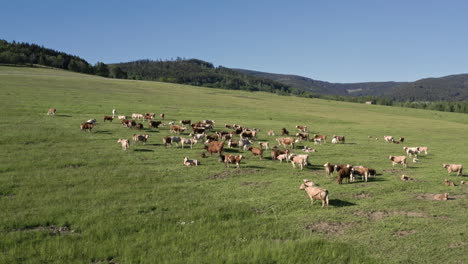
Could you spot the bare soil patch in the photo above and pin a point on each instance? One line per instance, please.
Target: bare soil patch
(329, 227)
(51, 229)
(109, 260)
(430, 196)
(458, 244)
(362, 196)
(232, 172)
(403, 233)
(379, 215)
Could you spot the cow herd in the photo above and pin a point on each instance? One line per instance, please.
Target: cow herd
(243, 138)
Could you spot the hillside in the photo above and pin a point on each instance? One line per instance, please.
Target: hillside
(70, 196)
(448, 88)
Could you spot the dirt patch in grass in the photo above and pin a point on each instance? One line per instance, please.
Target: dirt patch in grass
(379, 215)
(403, 233)
(51, 229)
(329, 227)
(362, 196)
(232, 172)
(256, 184)
(430, 196)
(394, 171)
(458, 244)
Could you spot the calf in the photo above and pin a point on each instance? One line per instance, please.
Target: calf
(282, 157)
(125, 143)
(389, 138)
(298, 160)
(233, 143)
(284, 132)
(322, 138)
(189, 162)
(211, 122)
(154, 124)
(307, 149)
(121, 117)
(137, 116)
(51, 111)
(245, 143)
(176, 140)
(454, 168)
(276, 153)
(314, 192)
(188, 141)
(256, 151)
(162, 116)
(86, 126)
(344, 173)
(271, 133)
(406, 178)
(143, 138)
(301, 128)
(91, 121)
(338, 167)
(449, 183)
(265, 145)
(441, 197)
(421, 149)
(139, 126)
(398, 160)
(232, 159)
(411, 151)
(248, 134)
(329, 169)
(338, 139)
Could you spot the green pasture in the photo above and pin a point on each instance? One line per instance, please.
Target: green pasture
(68, 196)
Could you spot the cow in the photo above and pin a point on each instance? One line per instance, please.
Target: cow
(114, 112)
(308, 149)
(298, 160)
(441, 197)
(329, 169)
(143, 138)
(232, 159)
(139, 126)
(423, 149)
(265, 145)
(233, 143)
(215, 147)
(302, 128)
(162, 116)
(86, 126)
(449, 183)
(359, 170)
(271, 133)
(210, 122)
(245, 143)
(125, 143)
(51, 111)
(189, 162)
(137, 116)
(287, 141)
(188, 141)
(167, 141)
(177, 129)
(176, 140)
(91, 121)
(406, 178)
(315, 193)
(284, 132)
(282, 157)
(344, 173)
(411, 151)
(338, 139)
(248, 134)
(121, 117)
(398, 160)
(256, 151)
(389, 138)
(276, 153)
(154, 124)
(322, 138)
(186, 122)
(302, 136)
(454, 168)
(128, 123)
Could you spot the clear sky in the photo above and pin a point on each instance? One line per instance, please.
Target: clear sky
(329, 40)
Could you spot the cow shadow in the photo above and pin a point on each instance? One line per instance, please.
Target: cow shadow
(152, 131)
(231, 150)
(63, 115)
(340, 203)
(106, 132)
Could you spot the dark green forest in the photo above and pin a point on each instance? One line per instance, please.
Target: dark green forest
(448, 93)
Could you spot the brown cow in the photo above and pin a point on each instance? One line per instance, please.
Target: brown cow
(329, 168)
(86, 126)
(154, 124)
(215, 147)
(276, 153)
(454, 168)
(51, 111)
(167, 141)
(177, 129)
(441, 197)
(398, 160)
(321, 138)
(314, 192)
(449, 183)
(256, 151)
(344, 173)
(284, 132)
(301, 128)
(232, 159)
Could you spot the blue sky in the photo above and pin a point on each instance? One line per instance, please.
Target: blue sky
(336, 41)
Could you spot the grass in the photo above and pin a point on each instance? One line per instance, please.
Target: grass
(68, 196)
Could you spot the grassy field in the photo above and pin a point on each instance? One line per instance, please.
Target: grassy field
(68, 196)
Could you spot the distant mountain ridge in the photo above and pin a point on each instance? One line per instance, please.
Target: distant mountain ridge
(447, 88)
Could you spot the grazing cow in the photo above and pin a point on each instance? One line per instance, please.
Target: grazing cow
(233, 143)
(248, 134)
(137, 116)
(406, 178)
(398, 160)
(360, 170)
(411, 151)
(454, 168)
(282, 157)
(276, 153)
(148, 117)
(212, 137)
(389, 138)
(245, 143)
(302, 136)
(215, 147)
(143, 138)
(301, 128)
(425, 149)
(344, 173)
(395, 142)
(322, 138)
(86, 126)
(200, 136)
(186, 122)
(305, 157)
(265, 145)
(449, 183)
(154, 124)
(338, 139)
(189, 162)
(256, 151)
(51, 111)
(287, 141)
(210, 122)
(139, 126)
(177, 129)
(125, 143)
(298, 160)
(284, 132)
(114, 112)
(314, 192)
(167, 141)
(128, 123)
(121, 117)
(162, 116)
(271, 133)
(329, 168)
(441, 197)
(188, 141)
(232, 159)
(176, 140)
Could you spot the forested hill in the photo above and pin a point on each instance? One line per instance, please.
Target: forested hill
(448, 88)
(198, 73)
